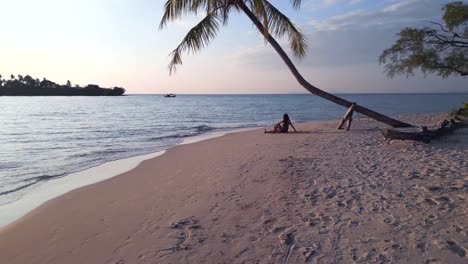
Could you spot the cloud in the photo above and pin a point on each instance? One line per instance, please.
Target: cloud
(259, 56)
(344, 49)
(398, 6)
(406, 13)
(316, 5)
(353, 38)
(330, 2)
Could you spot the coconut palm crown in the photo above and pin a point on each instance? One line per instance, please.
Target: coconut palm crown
(217, 14)
(268, 20)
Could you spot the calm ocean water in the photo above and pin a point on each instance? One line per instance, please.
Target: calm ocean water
(44, 138)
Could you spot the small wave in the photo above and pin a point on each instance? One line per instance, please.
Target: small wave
(45, 177)
(204, 128)
(167, 137)
(32, 181)
(197, 130)
(99, 153)
(10, 165)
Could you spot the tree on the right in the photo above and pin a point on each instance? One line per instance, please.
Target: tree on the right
(441, 49)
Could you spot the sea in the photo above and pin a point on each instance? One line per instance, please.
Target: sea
(48, 138)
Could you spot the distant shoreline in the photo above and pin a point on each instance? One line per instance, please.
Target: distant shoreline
(28, 86)
(60, 91)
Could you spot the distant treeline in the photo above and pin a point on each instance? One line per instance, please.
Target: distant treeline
(28, 86)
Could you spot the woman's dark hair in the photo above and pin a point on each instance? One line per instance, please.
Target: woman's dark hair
(285, 117)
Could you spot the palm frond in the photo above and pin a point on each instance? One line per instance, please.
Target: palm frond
(281, 25)
(197, 38)
(296, 4)
(174, 9)
(225, 10)
(258, 8)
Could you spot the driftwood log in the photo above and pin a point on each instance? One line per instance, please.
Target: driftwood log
(424, 134)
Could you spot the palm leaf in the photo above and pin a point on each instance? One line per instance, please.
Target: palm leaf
(174, 9)
(258, 8)
(281, 25)
(197, 38)
(296, 4)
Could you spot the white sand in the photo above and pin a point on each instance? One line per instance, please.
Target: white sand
(325, 197)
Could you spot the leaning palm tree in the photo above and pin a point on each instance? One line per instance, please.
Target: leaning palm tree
(268, 19)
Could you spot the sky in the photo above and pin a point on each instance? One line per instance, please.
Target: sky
(118, 43)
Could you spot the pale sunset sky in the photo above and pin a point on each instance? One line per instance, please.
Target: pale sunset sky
(117, 43)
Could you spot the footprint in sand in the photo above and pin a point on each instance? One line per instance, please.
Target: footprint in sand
(431, 201)
(309, 253)
(353, 223)
(435, 188)
(287, 241)
(453, 246)
(456, 248)
(457, 186)
(234, 197)
(277, 230)
(433, 261)
(183, 234)
(391, 221)
(422, 246)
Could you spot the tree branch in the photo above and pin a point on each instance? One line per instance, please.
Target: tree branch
(438, 24)
(461, 72)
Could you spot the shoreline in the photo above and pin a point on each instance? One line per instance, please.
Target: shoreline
(327, 196)
(41, 194)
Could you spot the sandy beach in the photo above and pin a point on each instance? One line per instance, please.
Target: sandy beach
(327, 196)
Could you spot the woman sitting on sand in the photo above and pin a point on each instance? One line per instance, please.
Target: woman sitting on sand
(283, 126)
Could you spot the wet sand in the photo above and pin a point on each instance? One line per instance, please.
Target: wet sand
(327, 196)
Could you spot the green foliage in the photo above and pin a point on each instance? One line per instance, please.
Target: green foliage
(217, 14)
(456, 14)
(463, 111)
(439, 50)
(28, 80)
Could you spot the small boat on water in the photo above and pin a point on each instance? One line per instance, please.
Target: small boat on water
(170, 95)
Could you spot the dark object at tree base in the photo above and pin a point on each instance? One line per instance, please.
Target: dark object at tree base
(425, 135)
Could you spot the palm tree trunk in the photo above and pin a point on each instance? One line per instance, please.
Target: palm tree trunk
(314, 90)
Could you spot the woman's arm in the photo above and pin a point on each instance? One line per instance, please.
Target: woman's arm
(292, 126)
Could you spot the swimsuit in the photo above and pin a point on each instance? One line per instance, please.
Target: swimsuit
(284, 128)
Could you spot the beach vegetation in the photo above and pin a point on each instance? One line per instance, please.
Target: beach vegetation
(28, 86)
(462, 111)
(269, 21)
(439, 48)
